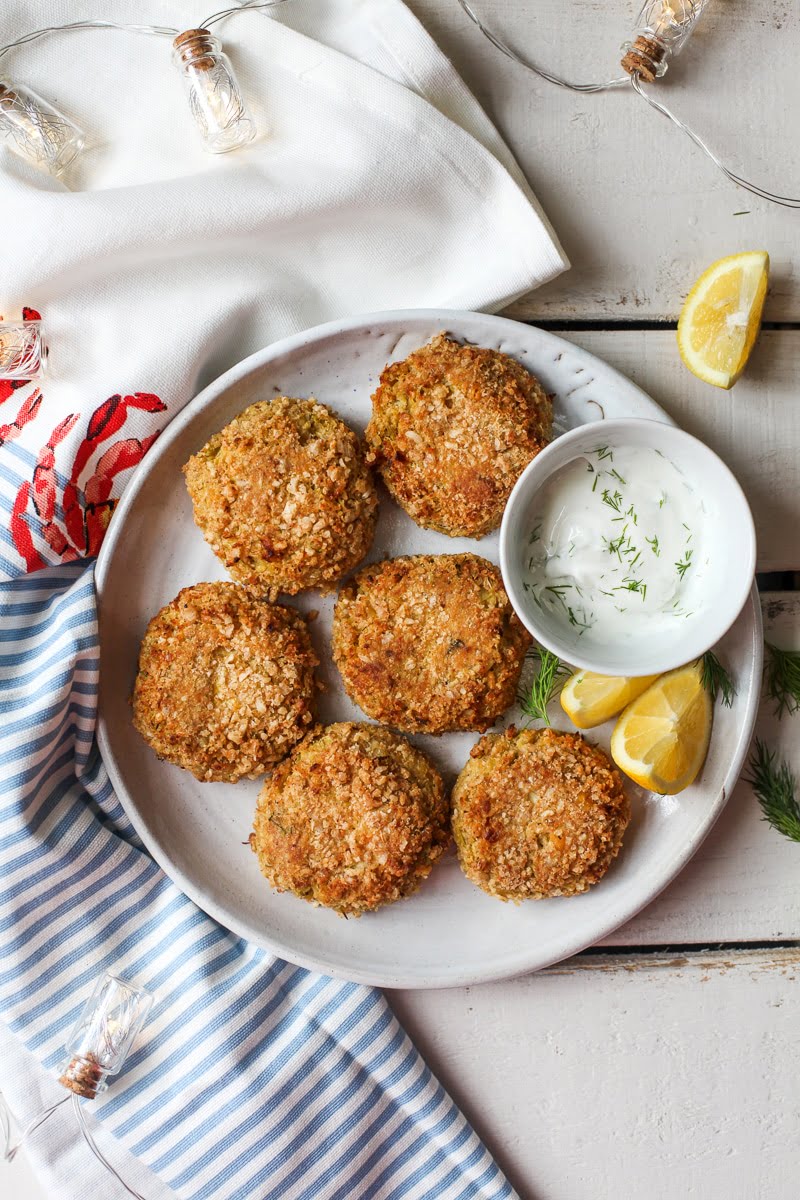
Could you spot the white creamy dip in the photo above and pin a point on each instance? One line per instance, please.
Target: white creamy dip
(617, 543)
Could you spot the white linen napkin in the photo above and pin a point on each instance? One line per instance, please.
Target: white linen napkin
(165, 265)
(376, 183)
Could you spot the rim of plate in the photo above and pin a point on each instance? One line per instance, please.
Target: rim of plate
(531, 958)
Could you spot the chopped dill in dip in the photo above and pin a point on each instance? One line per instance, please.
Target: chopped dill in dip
(617, 542)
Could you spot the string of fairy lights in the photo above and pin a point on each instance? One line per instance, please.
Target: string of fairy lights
(663, 28)
(37, 131)
(47, 138)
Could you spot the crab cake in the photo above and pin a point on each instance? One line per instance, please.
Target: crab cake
(429, 643)
(284, 497)
(354, 819)
(452, 429)
(537, 814)
(226, 682)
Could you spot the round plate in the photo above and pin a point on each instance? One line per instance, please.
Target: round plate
(449, 933)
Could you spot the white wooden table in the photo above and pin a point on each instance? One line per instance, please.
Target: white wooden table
(664, 1064)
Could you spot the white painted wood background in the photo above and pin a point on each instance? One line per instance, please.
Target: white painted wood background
(638, 208)
(667, 1074)
(669, 1079)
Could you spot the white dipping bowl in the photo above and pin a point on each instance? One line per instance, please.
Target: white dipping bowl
(728, 532)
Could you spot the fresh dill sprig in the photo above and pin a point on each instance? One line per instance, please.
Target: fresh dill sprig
(604, 452)
(632, 585)
(782, 679)
(683, 566)
(653, 544)
(543, 686)
(716, 679)
(612, 501)
(776, 788)
(583, 625)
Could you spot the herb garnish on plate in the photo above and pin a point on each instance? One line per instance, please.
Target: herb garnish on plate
(543, 686)
(716, 679)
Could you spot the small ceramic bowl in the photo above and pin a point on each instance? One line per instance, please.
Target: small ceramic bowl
(728, 535)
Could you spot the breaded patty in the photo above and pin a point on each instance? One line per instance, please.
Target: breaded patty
(354, 819)
(284, 497)
(452, 429)
(226, 682)
(429, 643)
(537, 814)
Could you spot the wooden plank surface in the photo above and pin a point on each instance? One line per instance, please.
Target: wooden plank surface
(755, 427)
(671, 1078)
(639, 210)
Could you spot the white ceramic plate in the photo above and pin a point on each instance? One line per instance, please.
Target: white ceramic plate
(450, 933)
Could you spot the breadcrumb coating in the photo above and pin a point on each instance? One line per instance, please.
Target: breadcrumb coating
(538, 813)
(284, 497)
(452, 429)
(429, 643)
(354, 819)
(226, 684)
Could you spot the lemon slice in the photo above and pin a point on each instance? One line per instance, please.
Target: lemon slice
(720, 320)
(589, 699)
(661, 739)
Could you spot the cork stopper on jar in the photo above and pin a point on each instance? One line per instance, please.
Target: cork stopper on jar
(196, 47)
(84, 1076)
(644, 57)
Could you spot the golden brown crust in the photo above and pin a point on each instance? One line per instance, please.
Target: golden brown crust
(284, 497)
(429, 643)
(538, 813)
(452, 429)
(354, 819)
(226, 685)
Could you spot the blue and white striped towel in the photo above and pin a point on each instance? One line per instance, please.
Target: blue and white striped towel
(253, 1079)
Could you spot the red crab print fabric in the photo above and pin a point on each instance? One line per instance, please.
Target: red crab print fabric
(69, 505)
(66, 505)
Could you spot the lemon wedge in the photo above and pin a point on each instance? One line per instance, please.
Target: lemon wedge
(720, 320)
(589, 699)
(661, 739)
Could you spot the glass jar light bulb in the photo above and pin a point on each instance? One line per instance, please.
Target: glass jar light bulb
(23, 351)
(213, 91)
(103, 1035)
(35, 130)
(663, 28)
